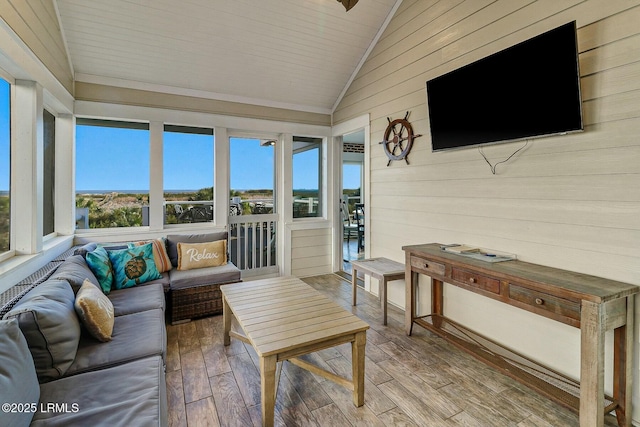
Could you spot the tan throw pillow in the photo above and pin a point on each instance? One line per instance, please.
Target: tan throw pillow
(95, 311)
(160, 256)
(200, 255)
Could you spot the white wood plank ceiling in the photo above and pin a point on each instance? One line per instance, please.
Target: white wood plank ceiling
(285, 53)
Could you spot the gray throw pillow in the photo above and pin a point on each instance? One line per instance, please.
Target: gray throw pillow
(18, 380)
(174, 239)
(74, 270)
(49, 323)
(85, 249)
(90, 247)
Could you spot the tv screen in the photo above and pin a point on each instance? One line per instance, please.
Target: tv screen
(529, 90)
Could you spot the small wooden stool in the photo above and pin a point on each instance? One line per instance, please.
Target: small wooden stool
(382, 269)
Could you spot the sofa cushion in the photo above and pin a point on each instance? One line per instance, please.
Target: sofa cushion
(133, 394)
(173, 239)
(164, 280)
(160, 256)
(133, 265)
(100, 264)
(134, 337)
(74, 270)
(201, 255)
(226, 273)
(18, 379)
(95, 311)
(140, 298)
(49, 323)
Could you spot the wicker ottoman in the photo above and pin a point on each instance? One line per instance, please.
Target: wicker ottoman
(191, 303)
(196, 293)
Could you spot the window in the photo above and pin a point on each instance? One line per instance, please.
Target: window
(307, 177)
(252, 208)
(352, 184)
(252, 176)
(112, 173)
(188, 174)
(48, 194)
(5, 166)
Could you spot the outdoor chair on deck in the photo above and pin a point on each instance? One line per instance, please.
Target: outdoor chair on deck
(349, 228)
(200, 214)
(358, 217)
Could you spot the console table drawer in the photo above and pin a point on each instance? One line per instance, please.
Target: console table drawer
(540, 300)
(427, 267)
(479, 281)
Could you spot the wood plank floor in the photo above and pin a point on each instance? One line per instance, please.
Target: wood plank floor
(410, 381)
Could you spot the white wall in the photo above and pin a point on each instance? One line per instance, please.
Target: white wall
(311, 251)
(568, 201)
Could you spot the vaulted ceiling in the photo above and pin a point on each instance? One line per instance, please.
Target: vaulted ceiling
(298, 54)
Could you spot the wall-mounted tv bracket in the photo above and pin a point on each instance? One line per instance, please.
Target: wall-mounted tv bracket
(398, 139)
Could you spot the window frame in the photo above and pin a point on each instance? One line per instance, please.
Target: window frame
(52, 176)
(118, 124)
(198, 130)
(12, 229)
(265, 138)
(320, 144)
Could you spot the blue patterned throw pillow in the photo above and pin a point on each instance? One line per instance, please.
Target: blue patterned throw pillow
(100, 264)
(133, 266)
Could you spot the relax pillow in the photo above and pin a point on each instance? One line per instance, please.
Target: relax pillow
(50, 325)
(18, 379)
(95, 311)
(174, 239)
(160, 256)
(100, 264)
(201, 255)
(133, 266)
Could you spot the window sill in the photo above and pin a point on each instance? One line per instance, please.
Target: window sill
(20, 266)
(308, 223)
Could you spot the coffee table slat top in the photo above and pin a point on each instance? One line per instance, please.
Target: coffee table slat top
(285, 313)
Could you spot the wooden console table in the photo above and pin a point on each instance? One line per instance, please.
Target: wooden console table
(593, 304)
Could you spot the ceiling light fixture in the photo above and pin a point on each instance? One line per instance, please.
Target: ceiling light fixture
(348, 4)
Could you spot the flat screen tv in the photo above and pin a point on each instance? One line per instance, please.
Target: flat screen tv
(526, 91)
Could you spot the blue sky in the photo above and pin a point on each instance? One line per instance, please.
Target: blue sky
(188, 162)
(117, 159)
(4, 135)
(251, 165)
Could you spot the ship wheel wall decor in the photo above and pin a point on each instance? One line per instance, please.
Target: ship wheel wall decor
(398, 139)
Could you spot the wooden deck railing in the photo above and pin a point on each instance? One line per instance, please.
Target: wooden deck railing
(252, 242)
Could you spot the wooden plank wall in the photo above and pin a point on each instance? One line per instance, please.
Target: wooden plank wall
(569, 201)
(311, 252)
(36, 23)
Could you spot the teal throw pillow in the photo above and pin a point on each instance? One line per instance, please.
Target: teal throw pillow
(133, 266)
(100, 264)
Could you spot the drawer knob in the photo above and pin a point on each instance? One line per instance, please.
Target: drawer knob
(539, 301)
(472, 280)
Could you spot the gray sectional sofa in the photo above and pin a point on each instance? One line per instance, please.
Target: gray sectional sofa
(55, 372)
(190, 293)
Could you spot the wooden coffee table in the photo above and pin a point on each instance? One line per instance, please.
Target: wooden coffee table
(283, 318)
